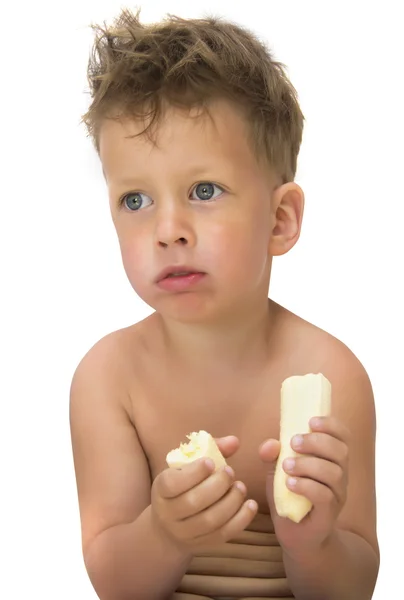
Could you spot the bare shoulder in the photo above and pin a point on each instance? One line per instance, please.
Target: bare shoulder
(112, 346)
(315, 348)
(113, 358)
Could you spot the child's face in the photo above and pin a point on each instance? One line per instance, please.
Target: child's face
(222, 229)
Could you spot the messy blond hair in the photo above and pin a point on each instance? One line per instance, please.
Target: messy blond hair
(135, 70)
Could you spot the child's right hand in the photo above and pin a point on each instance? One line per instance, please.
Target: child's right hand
(196, 506)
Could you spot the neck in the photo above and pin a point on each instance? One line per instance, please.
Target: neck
(239, 342)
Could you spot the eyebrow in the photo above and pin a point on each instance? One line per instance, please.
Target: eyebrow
(192, 172)
(125, 181)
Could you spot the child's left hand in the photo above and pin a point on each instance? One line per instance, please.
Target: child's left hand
(321, 476)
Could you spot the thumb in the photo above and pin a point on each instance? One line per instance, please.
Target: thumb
(269, 450)
(228, 445)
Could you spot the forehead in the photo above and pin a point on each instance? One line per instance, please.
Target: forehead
(181, 137)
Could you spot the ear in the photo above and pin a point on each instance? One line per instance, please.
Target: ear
(287, 205)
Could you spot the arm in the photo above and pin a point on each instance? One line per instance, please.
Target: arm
(346, 567)
(141, 565)
(125, 554)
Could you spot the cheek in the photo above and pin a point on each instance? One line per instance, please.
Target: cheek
(239, 246)
(134, 261)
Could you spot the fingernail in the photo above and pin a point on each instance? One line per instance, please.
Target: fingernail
(229, 470)
(210, 464)
(240, 486)
(289, 464)
(252, 505)
(316, 422)
(292, 481)
(297, 440)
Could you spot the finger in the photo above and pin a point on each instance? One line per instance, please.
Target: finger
(317, 469)
(174, 482)
(321, 445)
(332, 426)
(214, 517)
(320, 495)
(217, 514)
(203, 495)
(238, 522)
(228, 445)
(269, 450)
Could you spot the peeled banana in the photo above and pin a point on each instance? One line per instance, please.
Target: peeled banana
(302, 397)
(201, 445)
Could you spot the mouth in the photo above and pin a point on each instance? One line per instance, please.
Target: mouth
(182, 274)
(181, 271)
(178, 282)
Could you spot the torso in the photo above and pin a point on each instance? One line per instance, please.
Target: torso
(166, 406)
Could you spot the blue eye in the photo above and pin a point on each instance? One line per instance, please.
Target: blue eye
(134, 201)
(206, 190)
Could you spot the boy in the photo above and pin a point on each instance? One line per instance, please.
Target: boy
(198, 131)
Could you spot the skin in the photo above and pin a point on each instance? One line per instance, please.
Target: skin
(214, 358)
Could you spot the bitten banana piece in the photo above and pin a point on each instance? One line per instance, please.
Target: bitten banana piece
(201, 445)
(302, 397)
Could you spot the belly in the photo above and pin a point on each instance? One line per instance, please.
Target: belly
(249, 566)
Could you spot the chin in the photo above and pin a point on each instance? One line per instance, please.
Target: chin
(189, 308)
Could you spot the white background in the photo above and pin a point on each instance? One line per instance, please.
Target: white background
(63, 286)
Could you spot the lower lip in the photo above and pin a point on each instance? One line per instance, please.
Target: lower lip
(180, 283)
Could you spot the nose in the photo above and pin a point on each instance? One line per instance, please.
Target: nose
(174, 226)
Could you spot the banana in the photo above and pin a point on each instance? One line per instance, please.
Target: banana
(302, 397)
(201, 445)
